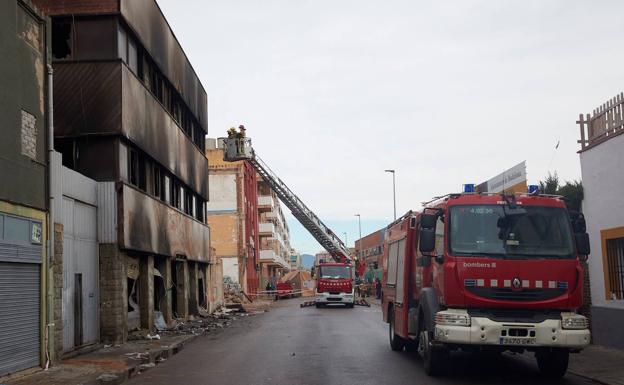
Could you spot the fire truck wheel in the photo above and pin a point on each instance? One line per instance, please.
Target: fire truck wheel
(318, 305)
(431, 355)
(349, 306)
(553, 364)
(396, 342)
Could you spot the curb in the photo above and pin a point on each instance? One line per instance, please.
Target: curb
(119, 377)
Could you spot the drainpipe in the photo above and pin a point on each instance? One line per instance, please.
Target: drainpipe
(49, 332)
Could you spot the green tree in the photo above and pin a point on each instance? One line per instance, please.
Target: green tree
(572, 192)
(550, 185)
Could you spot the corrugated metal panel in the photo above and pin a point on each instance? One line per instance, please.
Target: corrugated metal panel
(80, 256)
(79, 187)
(19, 316)
(20, 253)
(107, 212)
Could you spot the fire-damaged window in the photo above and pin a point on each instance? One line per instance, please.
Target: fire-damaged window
(137, 169)
(188, 201)
(128, 49)
(159, 182)
(61, 38)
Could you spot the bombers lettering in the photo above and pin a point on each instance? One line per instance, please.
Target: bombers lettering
(480, 264)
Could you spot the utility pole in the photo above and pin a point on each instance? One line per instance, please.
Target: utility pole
(346, 240)
(360, 230)
(393, 190)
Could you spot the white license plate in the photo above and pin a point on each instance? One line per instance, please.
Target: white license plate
(517, 340)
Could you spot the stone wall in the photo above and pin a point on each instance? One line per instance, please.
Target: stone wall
(113, 295)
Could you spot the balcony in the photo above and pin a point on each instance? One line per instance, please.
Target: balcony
(266, 202)
(266, 228)
(151, 226)
(271, 257)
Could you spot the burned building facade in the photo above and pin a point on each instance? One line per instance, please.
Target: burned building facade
(131, 113)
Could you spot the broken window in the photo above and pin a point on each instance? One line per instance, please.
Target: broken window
(158, 182)
(133, 167)
(134, 313)
(133, 61)
(62, 38)
(122, 44)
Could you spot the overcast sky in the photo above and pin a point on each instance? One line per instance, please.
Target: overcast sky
(334, 92)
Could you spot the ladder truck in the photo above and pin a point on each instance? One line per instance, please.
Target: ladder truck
(335, 279)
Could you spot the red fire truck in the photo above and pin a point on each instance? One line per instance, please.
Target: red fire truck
(334, 284)
(487, 273)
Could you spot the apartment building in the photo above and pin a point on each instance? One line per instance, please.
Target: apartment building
(131, 114)
(602, 161)
(233, 217)
(369, 250)
(24, 267)
(275, 248)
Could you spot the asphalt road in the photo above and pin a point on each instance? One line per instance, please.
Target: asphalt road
(291, 345)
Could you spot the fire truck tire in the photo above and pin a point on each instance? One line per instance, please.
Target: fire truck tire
(553, 364)
(432, 356)
(396, 342)
(349, 306)
(318, 305)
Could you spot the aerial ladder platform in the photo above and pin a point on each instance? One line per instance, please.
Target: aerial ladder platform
(236, 149)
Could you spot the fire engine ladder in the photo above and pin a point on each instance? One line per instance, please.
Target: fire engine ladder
(236, 149)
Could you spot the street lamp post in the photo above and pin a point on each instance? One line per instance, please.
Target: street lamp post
(360, 230)
(393, 190)
(346, 240)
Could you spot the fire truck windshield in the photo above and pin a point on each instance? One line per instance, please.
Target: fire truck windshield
(335, 272)
(534, 232)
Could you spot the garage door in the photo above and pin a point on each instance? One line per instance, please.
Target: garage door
(19, 316)
(20, 261)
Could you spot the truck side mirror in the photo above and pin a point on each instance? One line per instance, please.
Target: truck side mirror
(578, 223)
(426, 243)
(582, 243)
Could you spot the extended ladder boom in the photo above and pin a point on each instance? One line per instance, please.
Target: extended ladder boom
(240, 149)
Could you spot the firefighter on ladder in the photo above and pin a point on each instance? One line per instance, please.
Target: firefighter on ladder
(240, 139)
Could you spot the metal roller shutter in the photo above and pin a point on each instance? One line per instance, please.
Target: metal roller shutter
(19, 316)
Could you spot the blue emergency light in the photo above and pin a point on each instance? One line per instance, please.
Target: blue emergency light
(533, 189)
(469, 188)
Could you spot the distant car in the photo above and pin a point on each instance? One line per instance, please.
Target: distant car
(284, 290)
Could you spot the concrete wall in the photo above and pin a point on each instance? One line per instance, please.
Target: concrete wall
(223, 193)
(231, 268)
(603, 206)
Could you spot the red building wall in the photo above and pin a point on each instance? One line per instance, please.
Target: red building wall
(250, 182)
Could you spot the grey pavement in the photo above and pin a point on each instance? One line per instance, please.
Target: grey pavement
(291, 345)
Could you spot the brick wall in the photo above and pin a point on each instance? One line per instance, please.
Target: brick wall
(57, 273)
(113, 295)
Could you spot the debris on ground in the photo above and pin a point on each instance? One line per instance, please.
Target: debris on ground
(107, 377)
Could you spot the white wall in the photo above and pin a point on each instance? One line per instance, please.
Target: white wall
(223, 195)
(602, 169)
(230, 268)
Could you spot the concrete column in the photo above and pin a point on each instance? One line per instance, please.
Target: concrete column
(57, 267)
(113, 295)
(164, 267)
(183, 289)
(146, 291)
(193, 289)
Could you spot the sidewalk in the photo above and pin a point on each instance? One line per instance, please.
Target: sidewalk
(112, 365)
(109, 365)
(597, 363)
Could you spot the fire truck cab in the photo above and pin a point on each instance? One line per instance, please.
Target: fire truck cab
(334, 284)
(492, 273)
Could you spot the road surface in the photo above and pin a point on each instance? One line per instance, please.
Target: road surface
(291, 345)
